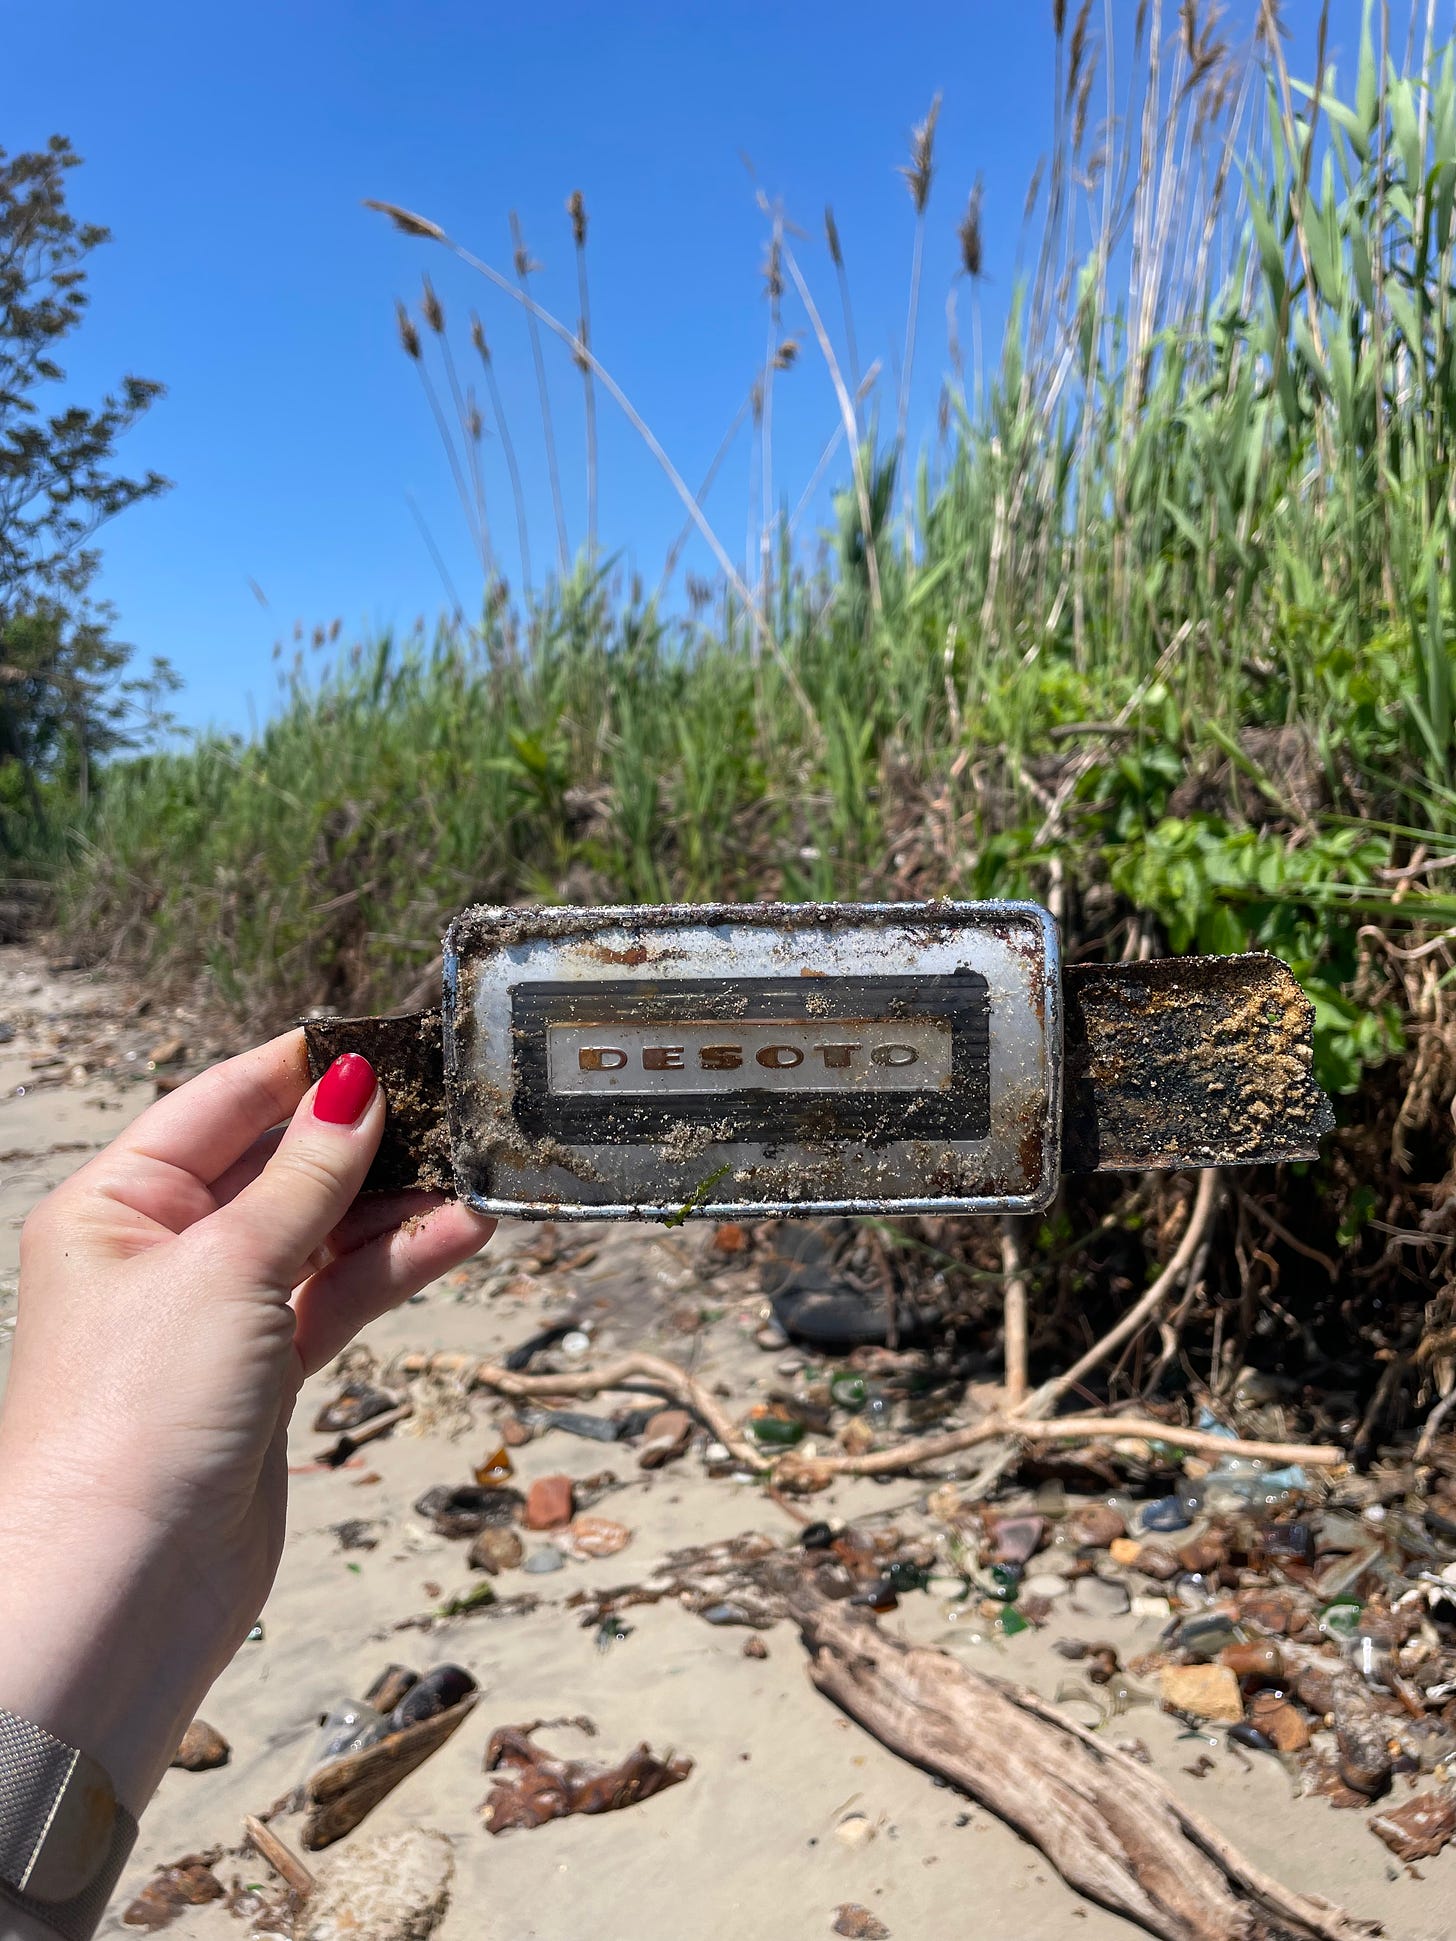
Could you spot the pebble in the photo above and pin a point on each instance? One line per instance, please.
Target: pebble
(1264, 1661)
(1100, 1597)
(1201, 1555)
(202, 1748)
(1156, 1562)
(855, 1829)
(665, 1438)
(1167, 1513)
(1124, 1550)
(1204, 1691)
(1148, 1606)
(576, 1344)
(548, 1557)
(1094, 1526)
(495, 1551)
(1018, 1538)
(595, 1536)
(1279, 1721)
(550, 1502)
(858, 1923)
(754, 1648)
(1043, 1584)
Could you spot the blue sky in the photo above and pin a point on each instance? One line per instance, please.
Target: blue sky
(228, 148)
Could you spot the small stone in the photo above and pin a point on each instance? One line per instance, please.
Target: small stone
(595, 1536)
(1364, 1749)
(730, 1238)
(1268, 1611)
(1124, 1550)
(754, 1648)
(1201, 1555)
(1094, 1526)
(548, 1557)
(1100, 1597)
(495, 1551)
(855, 1830)
(167, 1051)
(394, 1888)
(1203, 1691)
(858, 1923)
(1016, 1539)
(771, 1337)
(1279, 1721)
(1418, 1828)
(202, 1748)
(1145, 1605)
(549, 1503)
(1156, 1562)
(1167, 1513)
(576, 1344)
(515, 1433)
(1044, 1585)
(1257, 1660)
(665, 1438)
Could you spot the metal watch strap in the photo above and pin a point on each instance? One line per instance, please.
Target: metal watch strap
(64, 1839)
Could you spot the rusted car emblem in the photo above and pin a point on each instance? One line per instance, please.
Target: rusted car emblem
(727, 1060)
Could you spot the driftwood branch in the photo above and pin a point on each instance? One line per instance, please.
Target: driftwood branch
(630, 1371)
(1111, 1827)
(280, 1857)
(801, 1470)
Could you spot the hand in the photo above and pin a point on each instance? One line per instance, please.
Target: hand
(174, 1294)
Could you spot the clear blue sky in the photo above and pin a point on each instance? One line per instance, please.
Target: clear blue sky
(228, 148)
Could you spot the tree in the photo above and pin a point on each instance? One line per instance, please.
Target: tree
(63, 698)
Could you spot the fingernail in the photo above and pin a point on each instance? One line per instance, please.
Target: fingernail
(344, 1090)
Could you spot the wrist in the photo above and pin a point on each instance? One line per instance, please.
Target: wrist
(103, 1641)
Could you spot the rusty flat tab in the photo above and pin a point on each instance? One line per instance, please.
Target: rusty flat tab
(1189, 1062)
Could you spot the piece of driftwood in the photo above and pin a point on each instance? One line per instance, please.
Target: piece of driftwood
(1110, 1826)
(280, 1857)
(339, 1794)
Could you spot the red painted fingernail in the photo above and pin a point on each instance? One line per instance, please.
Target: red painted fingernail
(344, 1090)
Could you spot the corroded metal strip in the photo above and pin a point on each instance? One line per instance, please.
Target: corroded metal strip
(1179, 1063)
(407, 1055)
(1187, 1062)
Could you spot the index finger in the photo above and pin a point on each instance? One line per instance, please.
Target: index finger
(208, 1123)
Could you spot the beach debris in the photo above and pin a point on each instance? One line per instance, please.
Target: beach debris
(468, 1508)
(1281, 1723)
(665, 1437)
(462, 1603)
(390, 1687)
(438, 1691)
(339, 1452)
(497, 1468)
(858, 1923)
(612, 1630)
(1418, 1828)
(495, 1550)
(754, 1647)
(340, 1792)
(550, 1503)
(1203, 1692)
(297, 1878)
(578, 1422)
(394, 1888)
(356, 1533)
(1094, 1526)
(531, 1787)
(594, 1536)
(356, 1403)
(202, 1748)
(1016, 1539)
(1109, 1824)
(188, 1882)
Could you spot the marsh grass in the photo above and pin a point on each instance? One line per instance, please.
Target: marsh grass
(1168, 627)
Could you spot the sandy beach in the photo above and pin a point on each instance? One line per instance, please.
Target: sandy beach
(791, 1810)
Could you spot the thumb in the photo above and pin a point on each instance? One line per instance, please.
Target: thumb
(280, 1219)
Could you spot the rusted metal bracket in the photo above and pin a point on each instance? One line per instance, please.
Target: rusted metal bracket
(1178, 1063)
